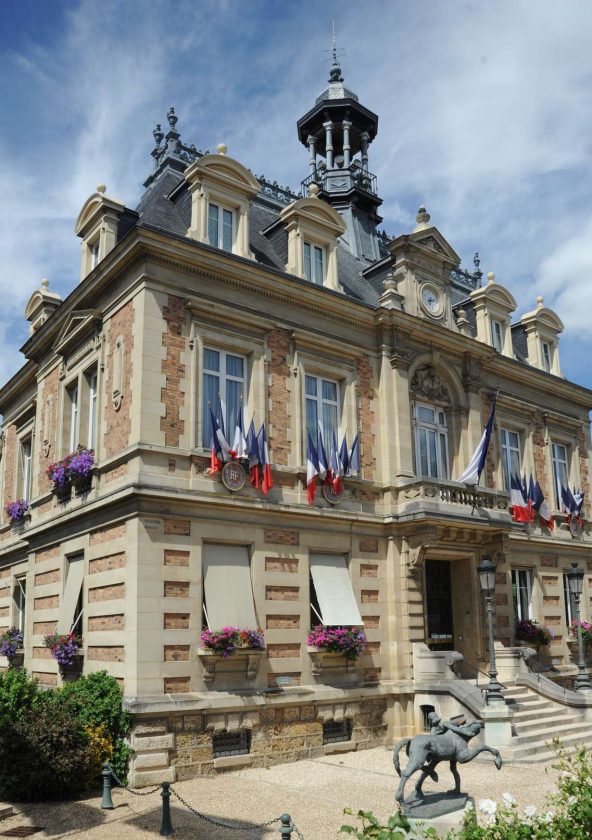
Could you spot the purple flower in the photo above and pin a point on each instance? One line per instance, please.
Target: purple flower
(17, 509)
(228, 640)
(64, 648)
(10, 641)
(81, 463)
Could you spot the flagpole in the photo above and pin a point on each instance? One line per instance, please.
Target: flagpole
(497, 390)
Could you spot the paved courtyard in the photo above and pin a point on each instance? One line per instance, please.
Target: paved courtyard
(313, 792)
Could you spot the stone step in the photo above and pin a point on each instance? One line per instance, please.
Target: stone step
(532, 706)
(6, 810)
(548, 733)
(515, 689)
(521, 715)
(555, 718)
(538, 747)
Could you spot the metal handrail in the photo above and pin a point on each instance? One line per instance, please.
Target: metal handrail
(478, 671)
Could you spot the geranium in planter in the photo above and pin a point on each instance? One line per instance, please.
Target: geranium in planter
(10, 642)
(17, 511)
(350, 642)
(586, 631)
(230, 639)
(532, 632)
(64, 647)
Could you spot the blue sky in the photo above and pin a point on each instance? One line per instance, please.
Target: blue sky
(484, 116)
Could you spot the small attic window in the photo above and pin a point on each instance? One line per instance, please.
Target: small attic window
(314, 263)
(221, 227)
(497, 335)
(94, 253)
(547, 355)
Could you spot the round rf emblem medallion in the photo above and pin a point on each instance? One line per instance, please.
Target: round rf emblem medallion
(233, 476)
(331, 495)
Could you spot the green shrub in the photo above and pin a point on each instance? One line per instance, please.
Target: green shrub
(397, 827)
(19, 694)
(44, 754)
(95, 700)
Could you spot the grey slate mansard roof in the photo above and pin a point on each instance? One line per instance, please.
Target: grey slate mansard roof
(166, 205)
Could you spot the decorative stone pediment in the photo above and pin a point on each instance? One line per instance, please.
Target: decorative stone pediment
(432, 238)
(80, 325)
(428, 384)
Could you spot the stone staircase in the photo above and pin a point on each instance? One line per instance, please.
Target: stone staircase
(537, 721)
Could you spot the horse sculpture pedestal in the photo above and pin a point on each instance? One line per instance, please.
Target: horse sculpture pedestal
(443, 812)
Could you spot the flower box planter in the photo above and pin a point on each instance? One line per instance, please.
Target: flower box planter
(323, 659)
(19, 525)
(82, 484)
(574, 655)
(18, 660)
(211, 659)
(72, 672)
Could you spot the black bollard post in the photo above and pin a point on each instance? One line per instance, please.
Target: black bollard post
(167, 827)
(286, 828)
(107, 802)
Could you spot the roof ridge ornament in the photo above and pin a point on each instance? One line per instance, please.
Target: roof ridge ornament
(335, 74)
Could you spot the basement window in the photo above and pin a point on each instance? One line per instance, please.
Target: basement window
(335, 731)
(232, 743)
(426, 711)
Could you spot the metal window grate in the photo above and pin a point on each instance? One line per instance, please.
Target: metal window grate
(425, 712)
(232, 743)
(337, 730)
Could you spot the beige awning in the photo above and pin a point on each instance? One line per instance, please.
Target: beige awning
(71, 594)
(228, 591)
(335, 594)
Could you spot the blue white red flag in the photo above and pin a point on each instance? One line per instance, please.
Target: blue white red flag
(253, 452)
(472, 474)
(542, 508)
(354, 457)
(266, 479)
(239, 445)
(220, 451)
(518, 504)
(312, 470)
(324, 468)
(336, 466)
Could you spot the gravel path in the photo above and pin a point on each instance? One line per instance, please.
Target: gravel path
(313, 792)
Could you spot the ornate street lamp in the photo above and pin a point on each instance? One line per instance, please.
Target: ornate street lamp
(486, 571)
(575, 577)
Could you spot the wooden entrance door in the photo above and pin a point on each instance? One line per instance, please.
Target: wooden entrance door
(440, 631)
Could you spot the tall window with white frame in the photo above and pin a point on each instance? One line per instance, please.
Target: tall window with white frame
(497, 335)
(559, 456)
(224, 389)
(91, 383)
(522, 593)
(431, 441)
(94, 253)
(314, 263)
(220, 227)
(568, 602)
(322, 409)
(547, 354)
(511, 461)
(20, 602)
(72, 400)
(26, 455)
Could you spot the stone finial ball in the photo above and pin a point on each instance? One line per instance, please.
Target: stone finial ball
(540, 300)
(313, 190)
(221, 148)
(490, 277)
(101, 189)
(44, 283)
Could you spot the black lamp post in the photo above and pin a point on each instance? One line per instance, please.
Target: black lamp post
(486, 571)
(575, 577)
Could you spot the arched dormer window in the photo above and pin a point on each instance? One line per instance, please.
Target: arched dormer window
(97, 225)
(314, 228)
(493, 310)
(221, 189)
(430, 406)
(542, 328)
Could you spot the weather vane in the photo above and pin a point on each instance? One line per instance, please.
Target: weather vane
(335, 51)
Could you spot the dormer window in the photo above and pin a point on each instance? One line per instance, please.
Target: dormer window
(497, 335)
(97, 225)
(547, 355)
(220, 227)
(314, 263)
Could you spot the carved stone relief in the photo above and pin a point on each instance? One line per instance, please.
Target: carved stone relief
(427, 383)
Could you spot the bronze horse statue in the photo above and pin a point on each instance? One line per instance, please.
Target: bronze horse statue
(445, 742)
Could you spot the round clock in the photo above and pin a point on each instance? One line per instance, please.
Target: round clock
(431, 299)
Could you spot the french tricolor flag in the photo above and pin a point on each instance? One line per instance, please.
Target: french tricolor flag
(253, 453)
(539, 504)
(324, 468)
(312, 470)
(518, 503)
(354, 457)
(239, 445)
(220, 449)
(336, 467)
(266, 479)
(472, 474)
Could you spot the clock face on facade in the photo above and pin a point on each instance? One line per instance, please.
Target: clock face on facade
(431, 299)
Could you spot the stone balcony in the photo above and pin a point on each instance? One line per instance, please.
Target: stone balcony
(425, 496)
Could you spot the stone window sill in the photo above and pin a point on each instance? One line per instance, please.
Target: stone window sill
(232, 762)
(340, 747)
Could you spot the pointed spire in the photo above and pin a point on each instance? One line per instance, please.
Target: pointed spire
(335, 72)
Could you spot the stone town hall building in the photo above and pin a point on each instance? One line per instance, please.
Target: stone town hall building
(222, 286)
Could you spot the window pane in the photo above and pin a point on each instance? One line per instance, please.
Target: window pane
(234, 366)
(211, 360)
(329, 390)
(423, 452)
(234, 392)
(441, 418)
(307, 262)
(227, 230)
(310, 385)
(443, 456)
(312, 420)
(213, 224)
(425, 414)
(319, 274)
(210, 400)
(329, 424)
(433, 454)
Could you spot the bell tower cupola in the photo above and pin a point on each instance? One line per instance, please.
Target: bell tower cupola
(337, 132)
